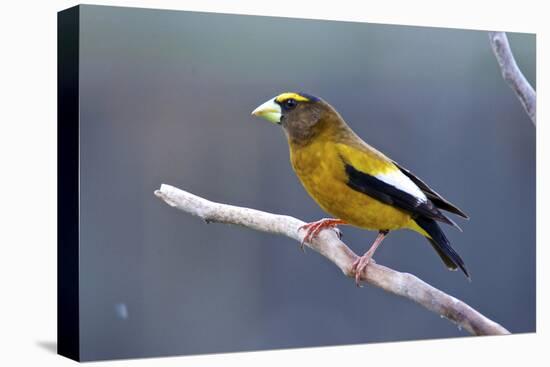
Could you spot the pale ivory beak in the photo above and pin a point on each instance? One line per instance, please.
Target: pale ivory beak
(270, 111)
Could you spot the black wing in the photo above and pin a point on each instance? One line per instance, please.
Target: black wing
(388, 194)
(437, 199)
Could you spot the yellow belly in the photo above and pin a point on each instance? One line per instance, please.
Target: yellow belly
(322, 174)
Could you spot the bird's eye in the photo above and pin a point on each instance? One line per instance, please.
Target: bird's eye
(290, 103)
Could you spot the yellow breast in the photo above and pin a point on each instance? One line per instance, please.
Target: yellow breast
(322, 173)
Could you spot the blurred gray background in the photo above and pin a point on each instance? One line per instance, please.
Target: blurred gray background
(166, 98)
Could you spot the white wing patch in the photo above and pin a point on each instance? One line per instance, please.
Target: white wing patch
(398, 180)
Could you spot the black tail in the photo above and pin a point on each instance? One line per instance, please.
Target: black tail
(441, 244)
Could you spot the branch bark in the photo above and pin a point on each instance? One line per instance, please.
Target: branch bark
(513, 75)
(329, 245)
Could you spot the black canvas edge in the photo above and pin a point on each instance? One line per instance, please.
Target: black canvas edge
(68, 325)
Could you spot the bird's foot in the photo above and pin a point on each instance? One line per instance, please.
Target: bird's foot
(312, 229)
(361, 263)
(359, 266)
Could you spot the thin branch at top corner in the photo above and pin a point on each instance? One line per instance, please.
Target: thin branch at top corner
(513, 75)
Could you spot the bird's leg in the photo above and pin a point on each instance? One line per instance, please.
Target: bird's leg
(361, 263)
(312, 229)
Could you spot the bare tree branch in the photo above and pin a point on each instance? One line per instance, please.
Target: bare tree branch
(513, 75)
(329, 245)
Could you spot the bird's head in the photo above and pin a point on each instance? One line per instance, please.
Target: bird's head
(301, 115)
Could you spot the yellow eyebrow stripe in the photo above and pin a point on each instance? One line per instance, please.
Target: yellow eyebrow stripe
(284, 96)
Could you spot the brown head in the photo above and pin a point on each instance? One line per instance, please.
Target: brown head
(302, 116)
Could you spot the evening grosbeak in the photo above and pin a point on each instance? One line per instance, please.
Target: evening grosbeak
(354, 182)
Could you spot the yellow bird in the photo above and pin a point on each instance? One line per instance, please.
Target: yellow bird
(354, 182)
